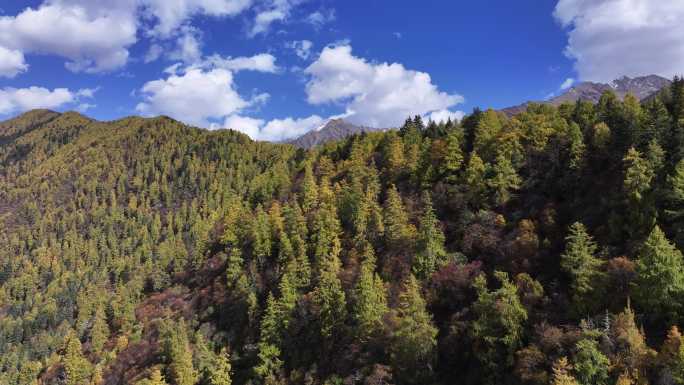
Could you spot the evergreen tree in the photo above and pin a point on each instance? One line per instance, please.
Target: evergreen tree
(674, 202)
(430, 253)
(179, 353)
(591, 366)
(498, 325)
(660, 276)
(309, 190)
(453, 159)
(504, 180)
(331, 300)
(76, 366)
(220, 372)
(370, 298)
(580, 263)
(398, 230)
(414, 339)
(488, 128)
(99, 332)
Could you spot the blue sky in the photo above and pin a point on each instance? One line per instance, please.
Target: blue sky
(277, 68)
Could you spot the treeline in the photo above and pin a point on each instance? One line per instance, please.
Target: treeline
(538, 249)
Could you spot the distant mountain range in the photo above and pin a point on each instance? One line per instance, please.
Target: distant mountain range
(642, 87)
(335, 129)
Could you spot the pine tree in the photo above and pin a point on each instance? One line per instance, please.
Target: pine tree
(561, 373)
(221, 369)
(674, 202)
(76, 366)
(475, 179)
(370, 305)
(430, 252)
(179, 353)
(414, 339)
(453, 159)
(638, 175)
(488, 128)
(398, 231)
(309, 190)
(660, 275)
(504, 180)
(591, 366)
(99, 333)
(331, 299)
(580, 263)
(498, 325)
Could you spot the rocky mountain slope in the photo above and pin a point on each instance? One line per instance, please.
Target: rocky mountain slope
(335, 129)
(642, 87)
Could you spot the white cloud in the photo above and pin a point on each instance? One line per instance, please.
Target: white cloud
(15, 100)
(171, 14)
(93, 36)
(275, 130)
(188, 46)
(302, 48)
(611, 38)
(246, 125)
(319, 18)
(263, 62)
(569, 82)
(444, 115)
(153, 53)
(380, 95)
(274, 11)
(194, 96)
(11, 62)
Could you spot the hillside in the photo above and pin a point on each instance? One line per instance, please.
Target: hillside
(533, 249)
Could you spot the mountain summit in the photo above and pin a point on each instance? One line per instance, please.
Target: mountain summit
(642, 87)
(335, 129)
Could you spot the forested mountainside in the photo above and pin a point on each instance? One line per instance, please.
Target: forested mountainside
(539, 249)
(335, 129)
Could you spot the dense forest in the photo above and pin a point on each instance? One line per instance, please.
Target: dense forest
(544, 248)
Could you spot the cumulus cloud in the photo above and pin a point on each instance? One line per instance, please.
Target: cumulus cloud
(202, 93)
(444, 115)
(93, 36)
(301, 48)
(171, 14)
(611, 38)
(194, 96)
(263, 62)
(16, 100)
(11, 63)
(376, 94)
(275, 130)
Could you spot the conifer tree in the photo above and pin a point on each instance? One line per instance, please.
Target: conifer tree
(580, 263)
(221, 369)
(398, 230)
(99, 333)
(453, 159)
(489, 126)
(370, 305)
(179, 353)
(498, 325)
(430, 252)
(504, 180)
(561, 373)
(331, 299)
(414, 339)
(660, 275)
(76, 366)
(309, 190)
(591, 366)
(474, 178)
(674, 202)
